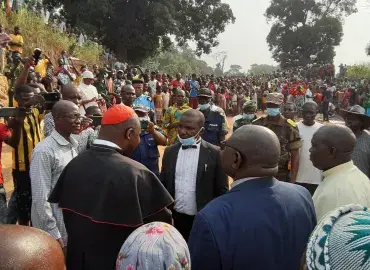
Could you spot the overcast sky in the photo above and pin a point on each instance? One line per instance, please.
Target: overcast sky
(245, 40)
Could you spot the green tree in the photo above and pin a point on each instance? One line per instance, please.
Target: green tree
(235, 70)
(135, 30)
(359, 71)
(177, 59)
(302, 29)
(262, 69)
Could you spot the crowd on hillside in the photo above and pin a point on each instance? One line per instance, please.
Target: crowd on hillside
(87, 174)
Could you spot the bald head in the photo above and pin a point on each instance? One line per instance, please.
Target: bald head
(29, 248)
(309, 105)
(71, 93)
(63, 107)
(332, 145)
(195, 115)
(253, 151)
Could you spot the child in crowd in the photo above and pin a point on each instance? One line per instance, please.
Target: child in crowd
(158, 104)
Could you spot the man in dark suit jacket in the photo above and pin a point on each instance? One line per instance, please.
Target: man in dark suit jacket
(192, 172)
(261, 223)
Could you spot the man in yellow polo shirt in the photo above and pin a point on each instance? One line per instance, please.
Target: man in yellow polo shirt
(43, 64)
(16, 44)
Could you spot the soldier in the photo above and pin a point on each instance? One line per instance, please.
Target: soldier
(288, 134)
(215, 127)
(247, 117)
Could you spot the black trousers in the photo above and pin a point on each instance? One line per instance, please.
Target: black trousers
(22, 186)
(325, 110)
(183, 223)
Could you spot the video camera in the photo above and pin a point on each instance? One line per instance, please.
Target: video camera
(13, 112)
(51, 99)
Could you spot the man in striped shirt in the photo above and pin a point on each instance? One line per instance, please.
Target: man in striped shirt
(27, 137)
(49, 158)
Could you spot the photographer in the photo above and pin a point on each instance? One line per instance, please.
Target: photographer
(90, 134)
(151, 136)
(25, 139)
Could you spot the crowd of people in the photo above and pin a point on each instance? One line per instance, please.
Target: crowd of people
(88, 175)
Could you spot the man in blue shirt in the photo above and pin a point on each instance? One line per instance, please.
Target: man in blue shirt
(142, 99)
(261, 223)
(150, 138)
(194, 87)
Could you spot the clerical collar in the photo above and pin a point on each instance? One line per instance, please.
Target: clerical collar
(107, 143)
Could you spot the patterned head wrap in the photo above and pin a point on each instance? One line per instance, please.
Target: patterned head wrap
(154, 246)
(341, 240)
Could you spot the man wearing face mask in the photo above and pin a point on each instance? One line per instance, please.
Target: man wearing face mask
(247, 117)
(151, 136)
(215, 126)
(287, 132)
(192, 171)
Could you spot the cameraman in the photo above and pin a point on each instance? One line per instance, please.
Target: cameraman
(25, 139)
(151, 136)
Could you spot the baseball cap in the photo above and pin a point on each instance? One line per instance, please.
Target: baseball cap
(140, 108)
(117, 114)
(275, 98)
(205, 92)
(88, 75)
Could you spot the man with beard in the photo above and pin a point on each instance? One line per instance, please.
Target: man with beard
(359, 122)
(49, 158)
(105, 195)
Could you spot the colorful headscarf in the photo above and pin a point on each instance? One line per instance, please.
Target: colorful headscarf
(341, 241)
(154, 246)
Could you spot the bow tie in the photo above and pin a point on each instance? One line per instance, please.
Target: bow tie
(185, 147)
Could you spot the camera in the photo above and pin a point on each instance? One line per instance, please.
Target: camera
(51, 99)
(144, 124)
(13, 112)
(96, 120)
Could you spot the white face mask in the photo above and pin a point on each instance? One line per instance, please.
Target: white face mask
(189, 141)
(204, 107)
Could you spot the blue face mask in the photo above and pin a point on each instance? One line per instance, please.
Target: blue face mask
(273, 111)
(248, 116)
(204, 107)
(189, 141)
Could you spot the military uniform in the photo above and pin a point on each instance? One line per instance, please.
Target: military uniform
(240, 120)
(147, 152)
(287, 132)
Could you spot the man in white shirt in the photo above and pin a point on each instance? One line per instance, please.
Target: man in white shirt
(49, 158)
(343, 183)
(308, 176)
(192, 171)
(152, 84)
(89, 93)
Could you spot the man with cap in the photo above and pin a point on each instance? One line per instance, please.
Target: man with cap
(247, 117)
(142, 99)
(105, 195)
(119, 82)
(359, 122)
(89, 93)
(260, 223)
(215, 127)
(151, 137)
(287, 132)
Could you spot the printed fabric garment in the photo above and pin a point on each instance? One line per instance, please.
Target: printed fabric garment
(173, 115)
(154, 244)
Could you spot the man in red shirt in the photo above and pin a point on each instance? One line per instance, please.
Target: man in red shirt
(178, 82)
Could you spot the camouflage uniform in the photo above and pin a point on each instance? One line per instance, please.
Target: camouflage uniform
(287, 132)
(240, 120)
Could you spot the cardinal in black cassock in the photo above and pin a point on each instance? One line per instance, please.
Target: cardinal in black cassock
(105, 195)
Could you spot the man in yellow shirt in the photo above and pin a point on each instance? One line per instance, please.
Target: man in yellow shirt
(16, 44)
(42, 65)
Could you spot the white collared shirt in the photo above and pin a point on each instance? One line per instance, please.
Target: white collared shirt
(88, 92)
(106, 143)
(186, 181)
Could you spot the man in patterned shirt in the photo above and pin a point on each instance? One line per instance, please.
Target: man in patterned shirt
(49, 158)
(359, 122)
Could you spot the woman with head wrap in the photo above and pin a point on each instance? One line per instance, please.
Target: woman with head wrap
(341, 240)
(154, 246)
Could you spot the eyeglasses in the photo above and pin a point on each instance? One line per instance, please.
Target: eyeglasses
(75, 117)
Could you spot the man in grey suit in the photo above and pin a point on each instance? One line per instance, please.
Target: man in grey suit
(192, 171)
